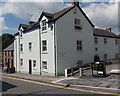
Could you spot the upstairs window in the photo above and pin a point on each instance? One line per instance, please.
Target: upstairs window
(78, 24)
(95, 40)
(105, 41)
(79, 45)
(116, 42)
(44, 27)
(21, 47)
(21, 62)
(30, 46)
(44, 45)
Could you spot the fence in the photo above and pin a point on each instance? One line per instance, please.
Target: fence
(82, 68)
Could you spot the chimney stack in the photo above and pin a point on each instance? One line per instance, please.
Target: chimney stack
(109, 29)
(75, 2)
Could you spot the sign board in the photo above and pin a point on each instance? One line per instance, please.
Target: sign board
(98, 69)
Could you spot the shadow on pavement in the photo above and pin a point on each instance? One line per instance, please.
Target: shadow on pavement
(5, 86)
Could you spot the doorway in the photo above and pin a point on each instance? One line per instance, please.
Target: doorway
(96, 59)
(30, 67)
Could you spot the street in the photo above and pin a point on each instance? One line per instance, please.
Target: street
(20, 86)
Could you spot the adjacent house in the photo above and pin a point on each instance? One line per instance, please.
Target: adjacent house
(61, 40)
(8, 57)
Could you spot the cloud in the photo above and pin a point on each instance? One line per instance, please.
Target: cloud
(103, 15)
(28, 10)
(2, 24)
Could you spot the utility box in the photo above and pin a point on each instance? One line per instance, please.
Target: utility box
(98, 69)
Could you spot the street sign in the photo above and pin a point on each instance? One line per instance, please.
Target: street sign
(98, 69)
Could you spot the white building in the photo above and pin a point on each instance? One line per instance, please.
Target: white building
(62, 40)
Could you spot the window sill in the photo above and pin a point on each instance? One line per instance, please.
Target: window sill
(45, 71)
(21, 52)
(44, 52)
(30, 50)
(34, 68)
(21, 67)
(79, 51)
(44, 32)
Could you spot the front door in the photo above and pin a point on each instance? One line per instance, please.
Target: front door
(30, 67)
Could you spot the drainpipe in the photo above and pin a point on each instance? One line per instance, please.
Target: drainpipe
(40, 47)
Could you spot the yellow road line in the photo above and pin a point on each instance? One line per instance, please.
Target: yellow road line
(58, 86)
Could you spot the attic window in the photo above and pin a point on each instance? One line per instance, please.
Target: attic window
(75, 11)
(44, 27)
(78, 24)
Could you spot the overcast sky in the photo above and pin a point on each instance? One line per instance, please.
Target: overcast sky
(103, 13)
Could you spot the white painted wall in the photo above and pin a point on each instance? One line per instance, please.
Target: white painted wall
(67, 36)
(49, 55)
(34, 54)
(16, 53)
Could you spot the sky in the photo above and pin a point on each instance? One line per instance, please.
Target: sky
(103, 13)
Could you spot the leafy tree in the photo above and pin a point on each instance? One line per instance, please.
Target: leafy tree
(6, 40)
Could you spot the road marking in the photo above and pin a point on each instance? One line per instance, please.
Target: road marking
(58, 86)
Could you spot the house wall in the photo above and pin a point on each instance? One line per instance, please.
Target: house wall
(67, 35)
(49, 55)
(16, 54)
(118, 48)
(33, 54)
(111, 49)
(8, 58)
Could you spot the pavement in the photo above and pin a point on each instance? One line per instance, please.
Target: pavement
(111, 82)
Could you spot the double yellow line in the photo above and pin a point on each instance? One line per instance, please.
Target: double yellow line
(58, 86)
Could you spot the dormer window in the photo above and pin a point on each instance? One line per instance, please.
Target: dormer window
(78, 24)
(44, 27)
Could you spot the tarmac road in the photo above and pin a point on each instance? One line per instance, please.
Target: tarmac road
(20, 87)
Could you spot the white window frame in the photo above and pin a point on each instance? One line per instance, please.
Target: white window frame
(44, 66)
(79, 45)
(44, 45)
(21, 62)
(44, 25)
(34, 63)
(77, 22)
(21, 47)
(30, 46)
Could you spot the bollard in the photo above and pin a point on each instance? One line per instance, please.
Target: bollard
(80, 71)
(66, 75)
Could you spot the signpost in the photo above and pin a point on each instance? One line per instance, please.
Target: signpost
(98, 69)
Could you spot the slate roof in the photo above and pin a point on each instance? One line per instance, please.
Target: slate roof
(57, 15)
(104, 33)
(25, 26)
(10, 47)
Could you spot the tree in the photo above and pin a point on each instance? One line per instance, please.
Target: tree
(6, 40)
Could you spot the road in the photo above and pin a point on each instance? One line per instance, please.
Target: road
(17, 86)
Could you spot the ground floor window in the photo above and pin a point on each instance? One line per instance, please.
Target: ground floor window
(34, 63)
(105, 56)
(44, 65)
(79, 63)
